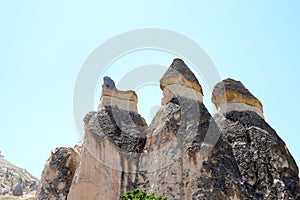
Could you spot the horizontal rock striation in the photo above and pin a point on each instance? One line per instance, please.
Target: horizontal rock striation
(231, 95)
(179, 80)
(111, 96)
(114, 138)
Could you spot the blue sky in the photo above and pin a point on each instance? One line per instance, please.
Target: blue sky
(45, 43)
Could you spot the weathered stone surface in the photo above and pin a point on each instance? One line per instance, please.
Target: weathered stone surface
(18, 190)
(231, 95)
(263, 159)
(179, 73)
(111, 96)
(185, 153)
(113, 140)
(58, 174)
(188, 159)
(15, 181)
(179, 80)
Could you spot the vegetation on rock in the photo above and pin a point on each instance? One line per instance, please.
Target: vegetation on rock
(138, 194)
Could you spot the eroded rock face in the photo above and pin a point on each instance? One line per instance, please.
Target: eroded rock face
(263, 159)
(15, 181)
(111, 96)
(184, 153)
(231, 95)
(58, 174)
(114, 138)
(179, 80)
(187, 157)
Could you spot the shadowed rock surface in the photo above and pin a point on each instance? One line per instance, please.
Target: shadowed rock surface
(114, 138)
(58, 174)
(187, 157)
(263, 159)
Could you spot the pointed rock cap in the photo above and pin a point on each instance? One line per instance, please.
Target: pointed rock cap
(111, 96)
(234, 95)
(180, 74)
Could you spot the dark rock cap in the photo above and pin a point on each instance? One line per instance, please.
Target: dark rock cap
(232, 85)
(108, 83)
(179, 73)
(179, 67)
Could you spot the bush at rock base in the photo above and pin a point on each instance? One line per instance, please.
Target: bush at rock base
(138, 194)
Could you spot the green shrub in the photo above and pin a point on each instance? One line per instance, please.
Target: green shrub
(138, 194)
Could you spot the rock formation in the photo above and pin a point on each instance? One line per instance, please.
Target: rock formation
(114, 136)
(111, 96)
(263, 159)
(179, 80)
(186, 156)
(184, 153)
(58, 173)
(232, 95)
(16, 182)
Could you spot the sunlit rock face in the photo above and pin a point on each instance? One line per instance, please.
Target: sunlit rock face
(231, 95)
(184, 153)
(185, 156)
(16, 182)
(263, 158)
(114, 138)
(111, 96)
(179, 80)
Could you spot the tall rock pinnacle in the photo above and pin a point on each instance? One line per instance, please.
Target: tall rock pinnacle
(111, 96)
(114, 137)
(264, 161)
(179, 80)
(230, 95)
(186, 154)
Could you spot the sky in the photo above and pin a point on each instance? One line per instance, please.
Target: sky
(45, 43)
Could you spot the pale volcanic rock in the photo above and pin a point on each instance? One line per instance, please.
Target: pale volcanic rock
(184, 153)
(179, 80)
(113, 139)
(231, 95)
(111, 96)
(58, 174)
(15, 181)
(185, 156)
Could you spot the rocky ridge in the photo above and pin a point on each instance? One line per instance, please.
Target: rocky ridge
(16, 183)
(185, 153)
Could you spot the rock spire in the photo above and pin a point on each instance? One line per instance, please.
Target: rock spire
(230, 95)
(111, 96)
